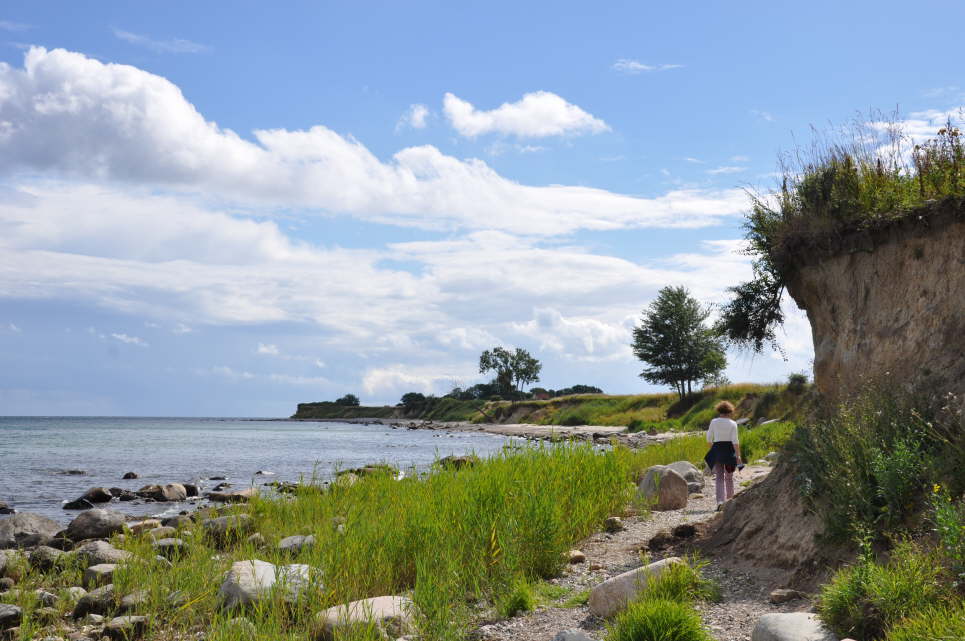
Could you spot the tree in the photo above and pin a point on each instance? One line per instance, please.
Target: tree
(513, 369)
(413, 400)
(676, 344)
(349, 400)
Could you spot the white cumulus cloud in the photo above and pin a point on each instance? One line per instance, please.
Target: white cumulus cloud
(415, 117)
(269, 350)
(535, 115)
(68, 115)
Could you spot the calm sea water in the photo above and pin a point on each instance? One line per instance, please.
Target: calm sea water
(37, 452)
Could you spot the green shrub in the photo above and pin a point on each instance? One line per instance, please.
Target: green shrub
(862, 601)
(865, 465)
(657, 620)
(636, 425)
(934, 624)
(573, 419)
(797, 383)
(948, 517)
(683, 583)
(519, 599)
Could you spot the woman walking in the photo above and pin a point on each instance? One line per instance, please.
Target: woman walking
(725, 451)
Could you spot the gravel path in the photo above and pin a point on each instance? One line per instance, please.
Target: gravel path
(745, 591)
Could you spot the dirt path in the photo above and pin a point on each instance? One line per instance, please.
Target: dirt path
(745, 592)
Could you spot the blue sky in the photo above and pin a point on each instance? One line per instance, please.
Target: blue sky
(214, 210)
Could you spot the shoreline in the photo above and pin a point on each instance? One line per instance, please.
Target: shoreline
(603, 434)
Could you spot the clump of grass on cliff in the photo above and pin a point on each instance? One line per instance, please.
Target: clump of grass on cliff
(862, 176)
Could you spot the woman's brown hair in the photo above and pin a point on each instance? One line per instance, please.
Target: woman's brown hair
(725, 407)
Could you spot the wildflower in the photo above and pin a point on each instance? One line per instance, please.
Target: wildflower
(936, 488)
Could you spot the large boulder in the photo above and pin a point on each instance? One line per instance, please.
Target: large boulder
(6, 509)
(689, 471)
(391, 616)
(664, 488)
(25, 530)
(248, 582)
(292, 545)
(100, 574)
(169, 492)
(95, 524)
(100, 552)
(238, 496)
(612, 596)
(791, 626)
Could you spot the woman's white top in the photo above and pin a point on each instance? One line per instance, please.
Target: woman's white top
(722, 429)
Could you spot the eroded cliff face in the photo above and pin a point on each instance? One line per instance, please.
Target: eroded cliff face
(888, 304)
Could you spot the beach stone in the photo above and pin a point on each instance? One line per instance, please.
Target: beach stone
(240, 496)
(133, 600)
(613, 524)
(10, 616)
(169, 547)
(695, 488)
(77, 504)
(48, 599)
(191, 489)
(23, 530)
(162, 532)
(100, 574)
(44, 558)
(612, 595)
(99, 601)
(75, 593)
(257, 540)
(664, 487)
(660, 541)
(689, 471)
(181, 520)
(166, 493)
(573, 635)
(140, 527)
(391, 615)
(6, 584)
(294, 544)
(95, 524)
(97, 495)
(784, 595)
(123, 495)
(454, 462)
(250, 581)
(227, 528)
(130, 475)
(577, 556)
(790, 626)
(6, 509)
(126, 628)
(101, 552)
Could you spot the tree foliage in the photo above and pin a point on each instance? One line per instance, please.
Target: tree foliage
(673, 340)
(413, 400)
(513, 369)
(350, 400)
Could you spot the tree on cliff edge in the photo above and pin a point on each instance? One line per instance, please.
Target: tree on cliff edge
(673, 340)
(513, 368)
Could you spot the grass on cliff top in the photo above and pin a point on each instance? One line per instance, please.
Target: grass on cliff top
(862, 175)
(460, 543)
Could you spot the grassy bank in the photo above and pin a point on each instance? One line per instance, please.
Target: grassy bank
(460, 543)
(641, 411)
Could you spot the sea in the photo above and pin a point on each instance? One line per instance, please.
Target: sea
(46, 461)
